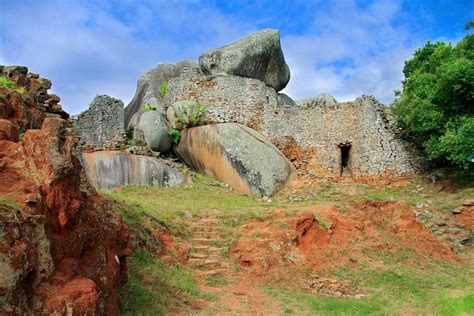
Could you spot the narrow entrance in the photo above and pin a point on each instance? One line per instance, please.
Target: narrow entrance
(345, 154)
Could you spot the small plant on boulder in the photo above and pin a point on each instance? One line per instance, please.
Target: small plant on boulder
(163, 88)
(148, 107)
(187, 114)
(175, 135)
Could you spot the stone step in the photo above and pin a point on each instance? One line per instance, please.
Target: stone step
(212, 235)
(198, 255)
(198, 248)
(206, 273)
(204, 241)
(204, 263)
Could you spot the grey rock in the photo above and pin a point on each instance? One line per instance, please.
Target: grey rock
(323, 99)
(110, 169)
(148, 87)
(152, 129)
(227, 98)
(285, 100)
(101, 126)
(236, 155)
(257, 56)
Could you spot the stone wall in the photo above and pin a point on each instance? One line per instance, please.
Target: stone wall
(102, 125)
(311, 132)
(318, 132)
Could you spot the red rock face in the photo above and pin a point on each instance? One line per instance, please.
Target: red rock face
(62, 248)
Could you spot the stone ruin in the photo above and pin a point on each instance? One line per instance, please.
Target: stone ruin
(102, 125)
(239, 84)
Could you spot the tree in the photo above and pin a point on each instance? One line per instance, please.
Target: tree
(436, 104)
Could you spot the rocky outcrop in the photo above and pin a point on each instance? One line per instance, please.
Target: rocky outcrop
(101, 126)
(257, 56)
(152, 130)
(62, 249)
(227, 98)
(148, 90)
(110, 169)
(27, 108)
(238, 156)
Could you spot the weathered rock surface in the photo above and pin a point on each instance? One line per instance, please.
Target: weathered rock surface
(153, 131)
(257, 56)
(109, 169)
(101, 126)
(29, 109)
(62, 248)
(285, 100)
(315, 133)
(228, 98)
(238, 156)
(323, 99)
(148, 87)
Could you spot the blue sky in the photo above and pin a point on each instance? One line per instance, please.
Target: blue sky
(346, 47)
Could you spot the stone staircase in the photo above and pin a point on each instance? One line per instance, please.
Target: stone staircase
(206, 247)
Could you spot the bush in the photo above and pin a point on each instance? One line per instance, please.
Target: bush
(148, 107)
(163, 88)
(436, 104)
(175, 135)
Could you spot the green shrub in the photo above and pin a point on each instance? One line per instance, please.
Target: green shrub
(435, 106)
(148, 107)
(163, 88)
(175, 135)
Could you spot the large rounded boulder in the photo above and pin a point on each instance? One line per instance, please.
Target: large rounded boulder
(148, 89)
(258, 55)
(152, 129)
(110, 169)
(238, 156)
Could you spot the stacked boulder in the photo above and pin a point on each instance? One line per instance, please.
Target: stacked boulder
(185, 98)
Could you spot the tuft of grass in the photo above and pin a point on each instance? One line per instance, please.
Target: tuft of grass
(163, 88)
(216, 281)
(462, 305)
(9, 84)
(153, 287)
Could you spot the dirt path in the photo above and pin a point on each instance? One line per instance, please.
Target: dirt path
(234, 291)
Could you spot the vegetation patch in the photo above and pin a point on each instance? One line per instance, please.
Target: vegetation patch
(163, 88)
(9, 84)
(153, 287)
(175, 135)
(148, 107)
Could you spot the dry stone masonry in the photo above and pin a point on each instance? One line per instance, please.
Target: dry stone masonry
(239, 83)
(102, 125)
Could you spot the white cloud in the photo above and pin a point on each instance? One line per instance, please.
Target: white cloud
(351, 51)
(102, 47)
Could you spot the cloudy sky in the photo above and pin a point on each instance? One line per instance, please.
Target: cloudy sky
(344, 47)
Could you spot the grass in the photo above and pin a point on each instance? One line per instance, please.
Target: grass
(203, 196)
(396, 290)
(9, 84)
(153, 287)
(393, 287)
(163, 88)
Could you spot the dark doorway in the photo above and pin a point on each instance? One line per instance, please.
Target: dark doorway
(345, 155)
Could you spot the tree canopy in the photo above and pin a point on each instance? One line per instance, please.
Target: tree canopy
(436, 104)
